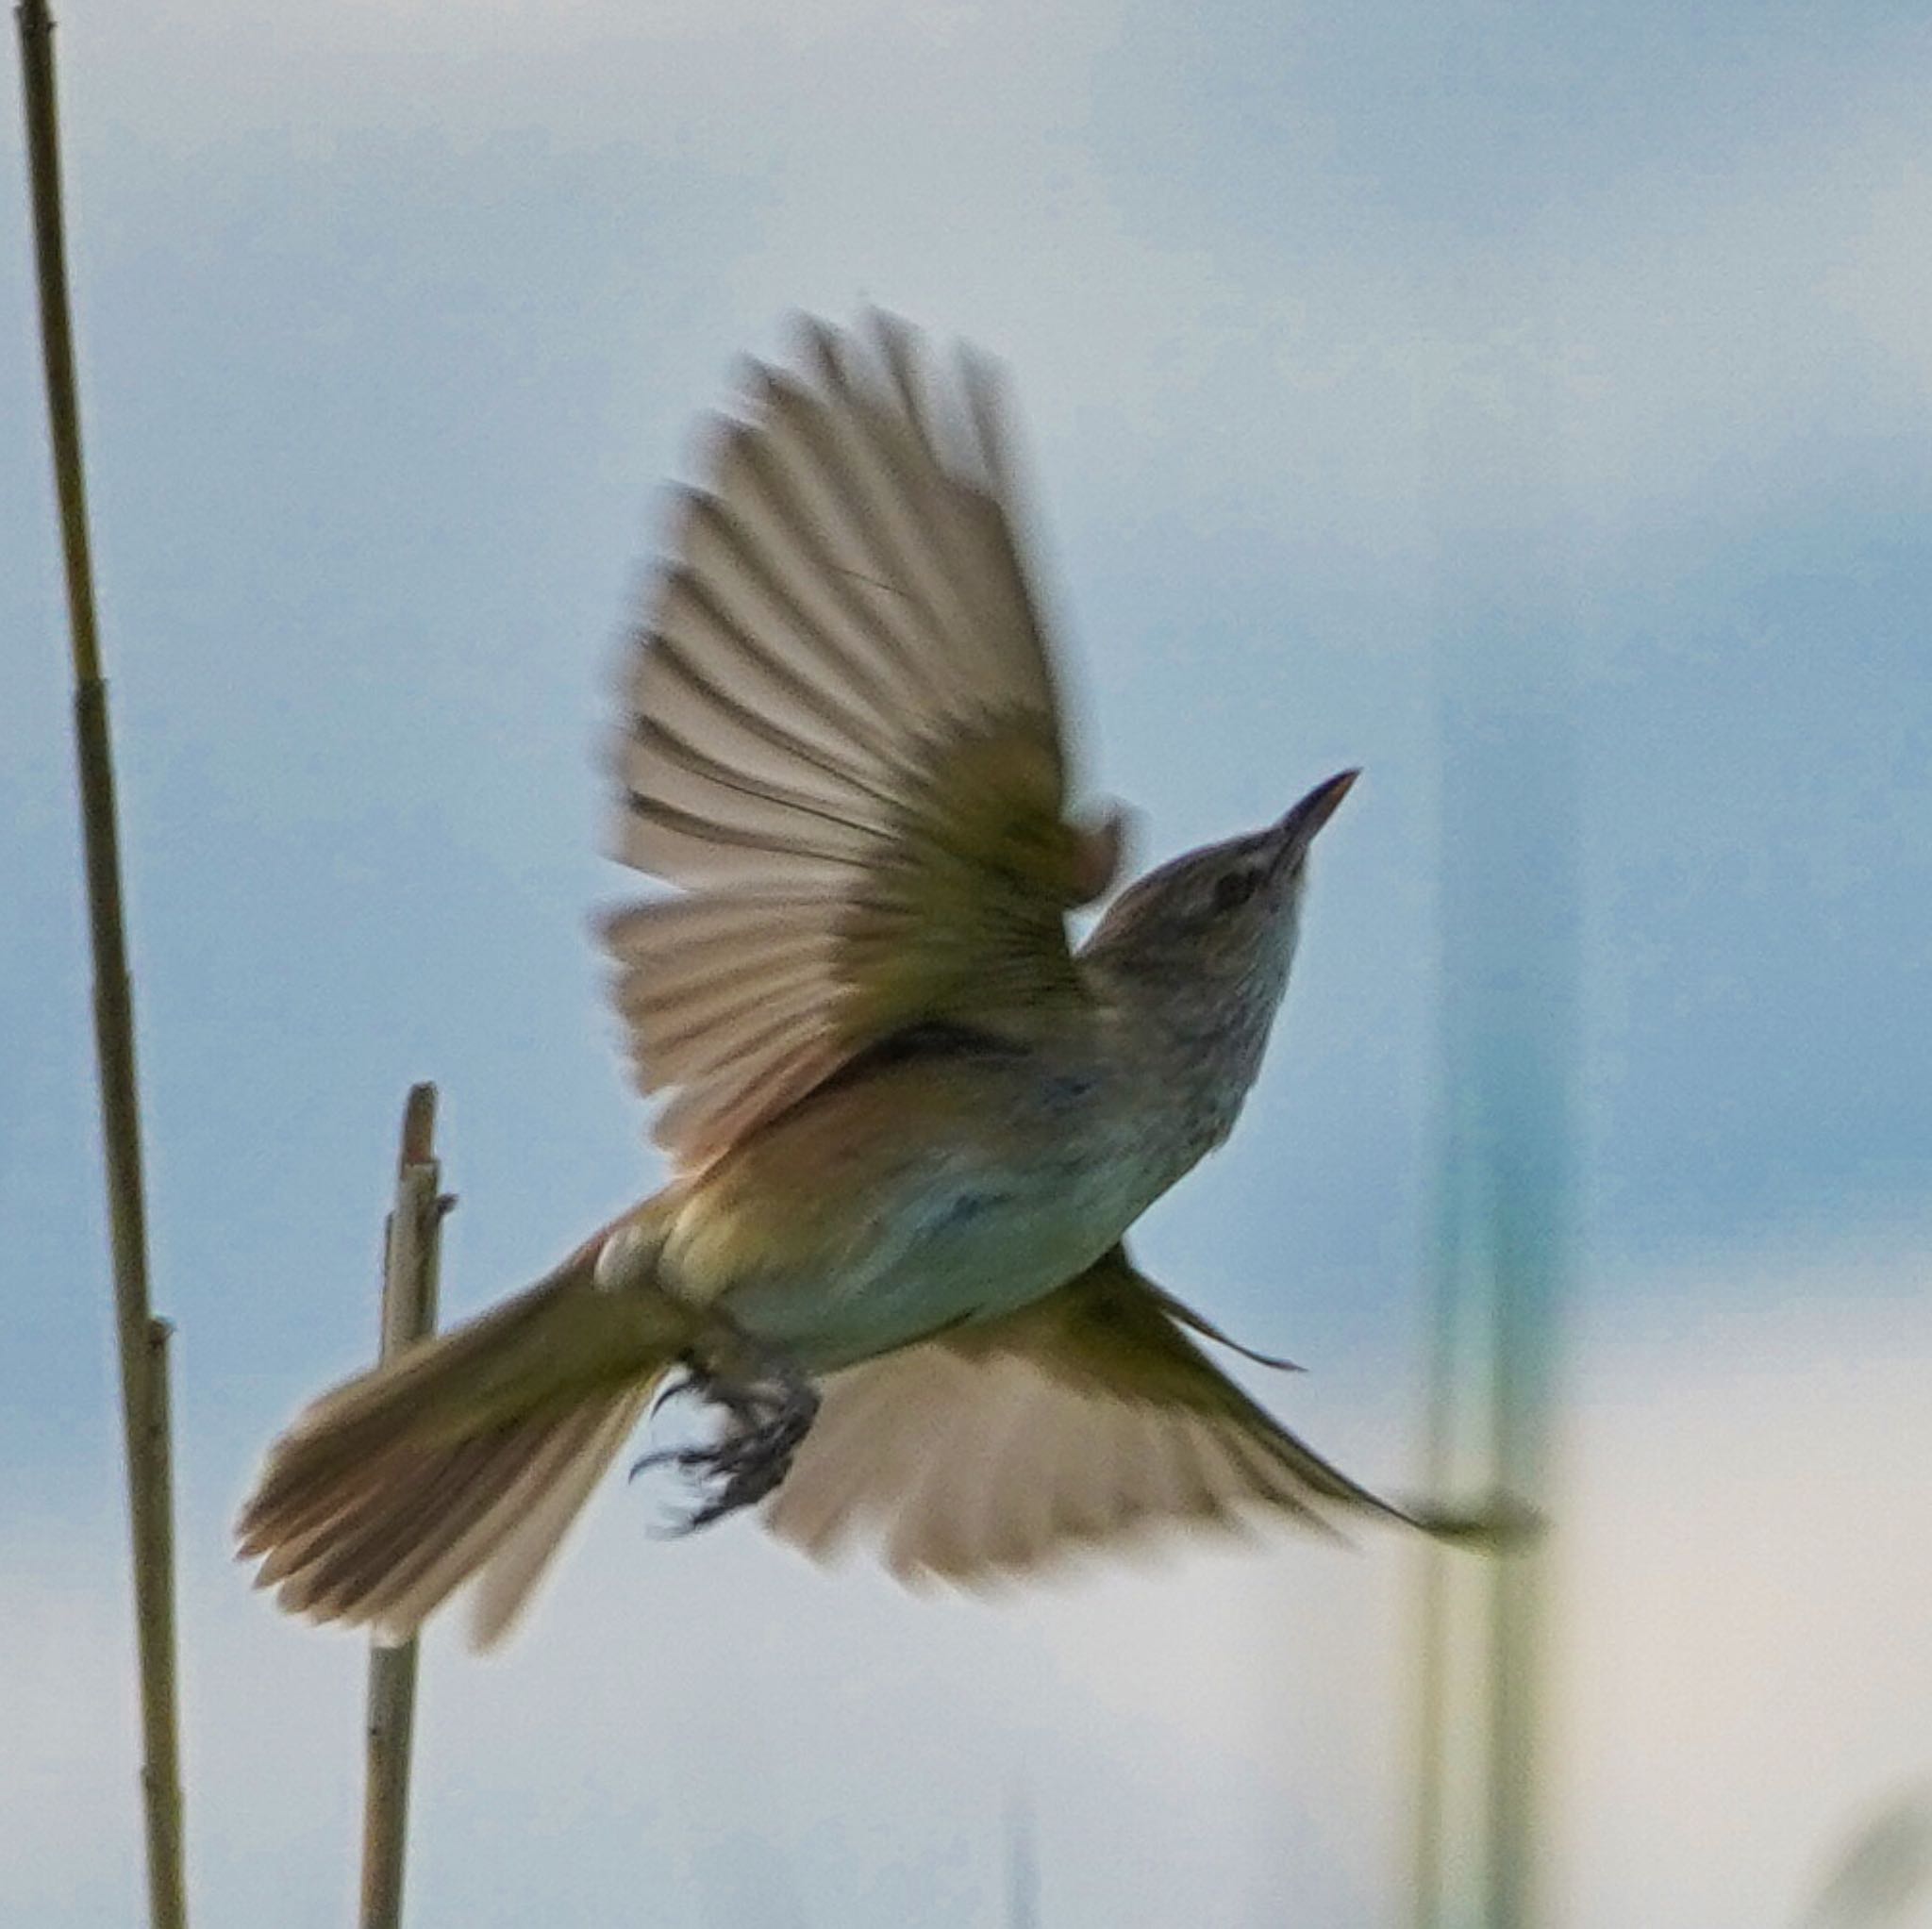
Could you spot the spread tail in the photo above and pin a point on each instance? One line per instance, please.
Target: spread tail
(467, 1457)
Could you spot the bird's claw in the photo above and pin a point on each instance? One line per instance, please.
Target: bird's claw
(766, 1422)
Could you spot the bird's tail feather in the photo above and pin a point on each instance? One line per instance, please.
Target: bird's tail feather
(468, 1456)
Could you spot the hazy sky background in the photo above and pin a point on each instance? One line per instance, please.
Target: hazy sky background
(394, 318)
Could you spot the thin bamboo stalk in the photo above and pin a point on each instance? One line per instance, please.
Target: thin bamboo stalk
(412, 1246)
(143, 1337)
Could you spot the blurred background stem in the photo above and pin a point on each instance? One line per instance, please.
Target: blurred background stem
(1506, 686)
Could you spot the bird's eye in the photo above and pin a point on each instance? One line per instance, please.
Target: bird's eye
(1235, 889)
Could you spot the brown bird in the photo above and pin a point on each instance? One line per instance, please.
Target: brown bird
(911, 1123)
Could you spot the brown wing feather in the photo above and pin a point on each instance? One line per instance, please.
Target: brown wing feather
(1085, 1417)
(843, 743)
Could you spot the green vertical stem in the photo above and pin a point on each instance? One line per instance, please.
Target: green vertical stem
(1529, 1239)
(412, 1253)
(1509, 998)
(1526, 1047)
(142, 1338)
(1435, 1734)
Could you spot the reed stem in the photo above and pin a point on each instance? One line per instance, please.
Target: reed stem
(144, 1339)
(412, 1246)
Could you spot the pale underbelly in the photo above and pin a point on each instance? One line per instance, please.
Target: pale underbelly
(913, 1200)
(958, 1248)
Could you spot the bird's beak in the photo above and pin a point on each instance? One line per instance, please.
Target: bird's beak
(1301, 824)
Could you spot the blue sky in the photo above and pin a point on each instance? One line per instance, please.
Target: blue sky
(395, 317)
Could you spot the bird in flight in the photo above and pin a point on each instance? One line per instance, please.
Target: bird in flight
(909, 1123)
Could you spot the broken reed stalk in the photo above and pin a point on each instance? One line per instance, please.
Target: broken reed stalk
(412, 1243)
(144, 1339)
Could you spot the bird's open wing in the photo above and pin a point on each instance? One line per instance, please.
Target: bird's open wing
(1085, 1417)
(843, 743)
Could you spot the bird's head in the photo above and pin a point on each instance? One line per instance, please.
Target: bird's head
(1223, 919)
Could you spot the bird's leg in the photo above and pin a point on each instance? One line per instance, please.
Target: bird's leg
(769, 1405)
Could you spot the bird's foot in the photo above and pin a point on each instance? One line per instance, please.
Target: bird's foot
(766, 1419)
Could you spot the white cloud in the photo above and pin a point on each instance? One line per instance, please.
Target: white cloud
(1749, 1584)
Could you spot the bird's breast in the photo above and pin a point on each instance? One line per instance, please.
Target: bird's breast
(889, 1210)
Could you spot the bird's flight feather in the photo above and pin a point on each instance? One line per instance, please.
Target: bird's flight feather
(998, 1447)
(844, 744)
